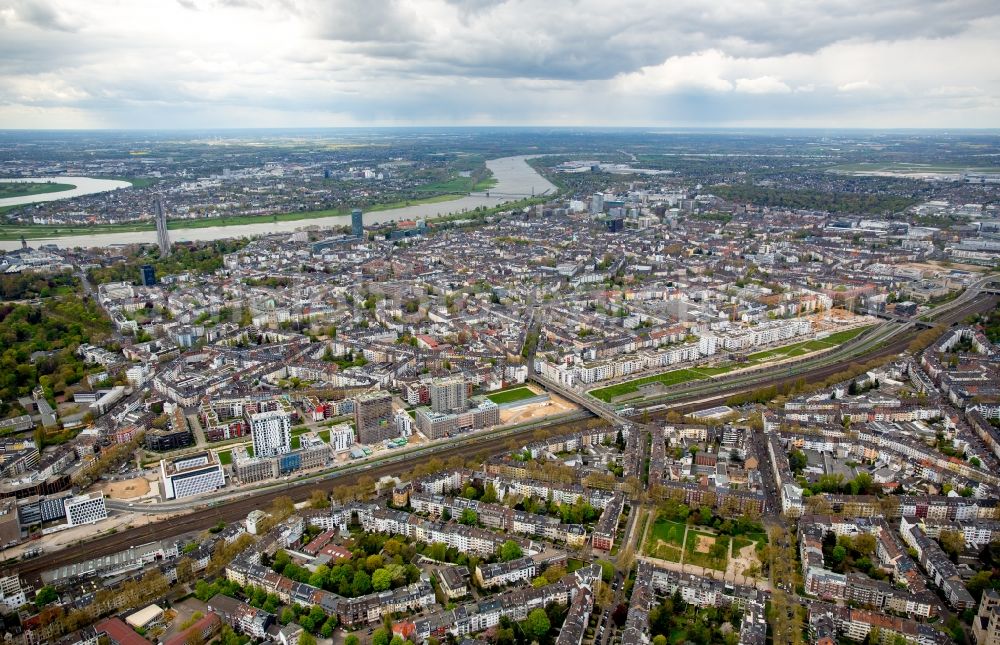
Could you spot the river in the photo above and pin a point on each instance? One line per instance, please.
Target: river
(82, 186)
(515, 181)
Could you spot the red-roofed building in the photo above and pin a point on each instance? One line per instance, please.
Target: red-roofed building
(205, 628)
(118, 632)
(427, 342)
(336, 552)
(405, 629)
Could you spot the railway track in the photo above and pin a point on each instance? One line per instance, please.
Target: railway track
(204, 518)
(895, 348)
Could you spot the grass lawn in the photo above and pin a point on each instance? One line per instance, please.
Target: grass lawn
(676, 377)
(459, 185)
(760, 539)
(26, 189)
(663, 552)
(692, 556)
(225, 457)
(665, 540)
(668, 531)
(573, 564)
(509, 396)
(300, 430)
(296, 442)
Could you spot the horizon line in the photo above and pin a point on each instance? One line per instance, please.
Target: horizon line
(995, 129)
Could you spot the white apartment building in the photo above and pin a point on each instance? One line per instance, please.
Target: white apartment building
(137, 375)
(85, 509)
(271, 432)
(191, 475)
(342, 437)
(12, 594)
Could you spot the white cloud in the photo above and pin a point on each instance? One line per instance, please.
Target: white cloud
(857, 86)
(312, 62)
(762, 85)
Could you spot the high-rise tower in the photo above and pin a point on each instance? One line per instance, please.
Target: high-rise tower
(357, 223)
(162, 238)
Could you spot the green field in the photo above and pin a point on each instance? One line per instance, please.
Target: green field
(757, 539)
(692, 556)
(740, 543)
(459, 185)
(670, 532)
(509, 396)
(665, 540)
(26, 189)
(675, 377)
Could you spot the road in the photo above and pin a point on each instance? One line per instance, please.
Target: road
(361, 466)
(211, 513)
(300, 491)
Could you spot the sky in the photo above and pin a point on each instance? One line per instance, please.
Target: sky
(685, 63)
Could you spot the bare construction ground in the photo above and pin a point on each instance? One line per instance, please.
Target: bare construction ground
(127, 489)
(534, 411)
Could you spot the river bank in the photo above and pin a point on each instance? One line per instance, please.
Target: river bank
(516, 180)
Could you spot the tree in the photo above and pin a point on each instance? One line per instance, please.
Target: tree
(373, 562)
(468, 517)
(45, 595)
(797, 461)
(287, 615)
(352, 640)
(510, 550)
(361, 584)
(381, 636)
(953, 542)
(490, 495)
(438, 551)
(838, 554)
(381, 579)
(537, 624)
(319, 499)
(607, 570)
(865, 543)
(554, 573)
(980, 581)
(307, 639)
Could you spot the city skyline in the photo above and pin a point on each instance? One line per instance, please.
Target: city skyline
(211, 64)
